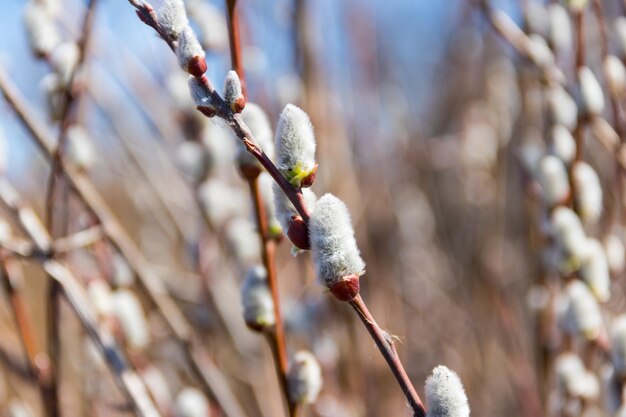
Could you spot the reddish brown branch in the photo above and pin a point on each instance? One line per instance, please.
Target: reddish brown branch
(235, 43)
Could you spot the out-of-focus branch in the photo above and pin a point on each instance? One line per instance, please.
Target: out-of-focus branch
(210, 377)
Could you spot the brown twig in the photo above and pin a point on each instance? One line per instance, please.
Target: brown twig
(235, 43)
(387, 348)
(276, 336)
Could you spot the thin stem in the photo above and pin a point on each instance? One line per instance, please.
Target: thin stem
(278, 344)
(235, 43)
(387, 348)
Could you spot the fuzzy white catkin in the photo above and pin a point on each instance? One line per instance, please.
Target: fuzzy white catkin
(285, 211)
(588, 191)
(43, 35)
(563, 145)
(256, 299)
(258, 123)
(193, 160)
(17, 408)
(199, 92)
(445, 394)
(615, 73)
(244, 241)
(563, 108)
(222, 202)
(618, 344)
(539, 51)
(53, 90)
(188, 48)
(232, 88)
(591, 95)
(266, 183)
(577, 5)
(579, 313)
(574, 379)
(213, 32)
(64, 59)
(173, 18)
(101, 297)
(128, 311)
(553, 180)
(569, 233)
(295, 142)
(615, 253)
(560, 28)
(594, 270)
(190, 402)
(334, 248)
(80, 147)
(305, 378)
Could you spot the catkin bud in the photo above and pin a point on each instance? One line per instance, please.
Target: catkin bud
(577, 6)
(336, 256)
(100, 296)
(64, 59)
(258, 306)
(201, 95)
(290, 219)
(80, 148)
(257, 121)
(130, 315)
(304, 378)
(445, 394)
(222, 202)
(594, 270)
(553, 180)
(266, 183)
(54, 92)
(243, 239)
(562, 107)
(578, 311)
(190, 402)
(563, 145)
(193, 160)
(190, 53)
(295, 147)
(588, 191)
(569, 234)
(539, 51)
(574, 379)
(173, 18)
(43, 35)
(591, 95)
(233, 94)
(615, 73)
(560, 28)
(213, 33)
(615, 256)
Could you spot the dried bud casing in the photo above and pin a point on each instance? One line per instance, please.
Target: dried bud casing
(304, 378)
(445, 394)
(258, 306)
(335, 252)
(233, 93)
(190, 53)
(295, 146)
(173, 17)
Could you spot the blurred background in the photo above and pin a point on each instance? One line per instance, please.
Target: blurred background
(422, 114)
